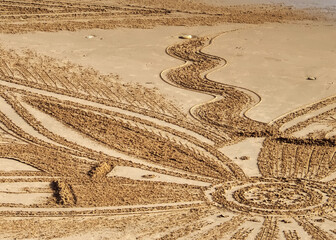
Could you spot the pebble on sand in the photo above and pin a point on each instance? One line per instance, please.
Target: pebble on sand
(186, 36)
(311, 78)
(90, 36)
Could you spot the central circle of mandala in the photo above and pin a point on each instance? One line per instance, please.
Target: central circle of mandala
(273, 197)
(277, 196)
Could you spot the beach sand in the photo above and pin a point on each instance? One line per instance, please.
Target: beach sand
(122, 129)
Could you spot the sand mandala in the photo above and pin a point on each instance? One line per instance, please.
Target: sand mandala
(76, 136)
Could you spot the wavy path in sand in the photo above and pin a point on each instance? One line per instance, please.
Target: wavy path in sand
(227, 110)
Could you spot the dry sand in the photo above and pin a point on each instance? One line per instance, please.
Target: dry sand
(113, 131)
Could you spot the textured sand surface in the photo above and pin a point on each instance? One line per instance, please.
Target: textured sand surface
(121, 129)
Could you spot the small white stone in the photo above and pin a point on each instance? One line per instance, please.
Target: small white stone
(186, 36)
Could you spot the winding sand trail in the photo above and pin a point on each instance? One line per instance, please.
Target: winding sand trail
(227, 110)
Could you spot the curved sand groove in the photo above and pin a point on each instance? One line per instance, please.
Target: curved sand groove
(160, 150)
(110, 114)
(52, 136)
(228, 108)
(19, 122)
(83, 143)
(175, 120)
(194, 132)
(301, 118)
(170, 171)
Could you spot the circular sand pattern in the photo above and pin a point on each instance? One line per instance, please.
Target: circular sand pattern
(279, 198)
